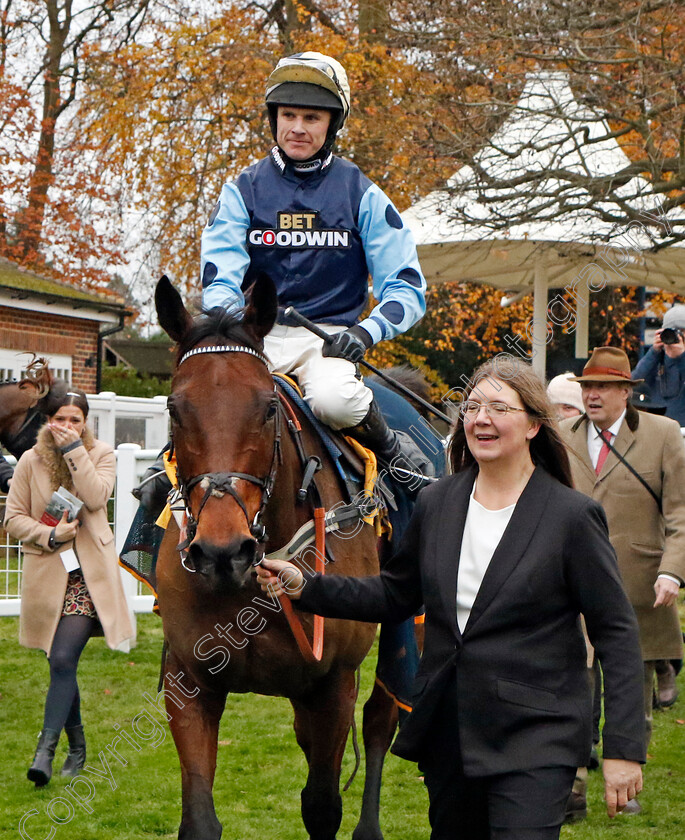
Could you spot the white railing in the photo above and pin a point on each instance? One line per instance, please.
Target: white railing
(132, 461)
(140, 420)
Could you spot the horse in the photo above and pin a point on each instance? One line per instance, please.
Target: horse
(17, 398)
(240, 464)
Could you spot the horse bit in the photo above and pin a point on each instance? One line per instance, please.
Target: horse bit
(217, 484)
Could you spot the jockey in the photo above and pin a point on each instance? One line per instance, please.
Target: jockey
(318, 227)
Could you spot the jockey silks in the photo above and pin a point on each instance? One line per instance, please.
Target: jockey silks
(318, 236)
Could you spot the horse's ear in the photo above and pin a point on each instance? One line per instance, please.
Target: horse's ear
(262, 306)
(173, 317)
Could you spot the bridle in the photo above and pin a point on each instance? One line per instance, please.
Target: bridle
(218, 484)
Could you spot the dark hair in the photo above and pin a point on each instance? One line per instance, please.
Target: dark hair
(547, 449)
(71, 396)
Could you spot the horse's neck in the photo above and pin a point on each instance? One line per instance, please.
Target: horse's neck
(15, 405)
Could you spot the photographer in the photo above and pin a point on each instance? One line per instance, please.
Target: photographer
(663, 369)
(663, 366)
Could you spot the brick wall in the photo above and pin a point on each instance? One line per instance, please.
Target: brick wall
(40, 332)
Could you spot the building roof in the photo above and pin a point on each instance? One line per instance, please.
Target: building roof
(24, 284)
(154, 358)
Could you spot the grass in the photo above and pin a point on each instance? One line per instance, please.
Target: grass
(260, 768)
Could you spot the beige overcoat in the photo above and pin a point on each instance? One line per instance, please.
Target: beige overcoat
(44, 578)
(646, 542)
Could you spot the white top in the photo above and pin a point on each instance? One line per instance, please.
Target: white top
(595, 440)
(482, 533)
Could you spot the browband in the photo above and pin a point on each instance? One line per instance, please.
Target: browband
(224, 348)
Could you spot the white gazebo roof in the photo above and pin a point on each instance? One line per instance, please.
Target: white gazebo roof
(475, 229)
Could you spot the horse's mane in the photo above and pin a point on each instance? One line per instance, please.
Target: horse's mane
(37, 373)
(218, 324)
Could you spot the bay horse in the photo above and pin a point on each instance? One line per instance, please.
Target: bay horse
(239, 469)
(21, 406)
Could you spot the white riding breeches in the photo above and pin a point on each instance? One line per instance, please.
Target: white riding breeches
(331, 386)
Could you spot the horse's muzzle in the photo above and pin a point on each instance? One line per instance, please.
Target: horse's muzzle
(228, 565)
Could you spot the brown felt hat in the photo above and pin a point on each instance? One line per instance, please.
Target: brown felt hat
(607, 364)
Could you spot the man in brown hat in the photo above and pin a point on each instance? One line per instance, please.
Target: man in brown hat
(633, 463)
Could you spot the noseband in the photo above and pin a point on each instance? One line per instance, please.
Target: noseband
(218, 484)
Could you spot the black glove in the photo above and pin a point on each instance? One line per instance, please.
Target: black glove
(350, 344)
(6, 473)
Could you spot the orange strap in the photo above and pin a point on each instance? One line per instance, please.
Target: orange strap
(312, 653)
(290, 411)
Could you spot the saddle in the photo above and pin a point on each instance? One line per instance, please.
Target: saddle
(355, 463)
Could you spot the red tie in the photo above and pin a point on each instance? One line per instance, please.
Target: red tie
(604, 451)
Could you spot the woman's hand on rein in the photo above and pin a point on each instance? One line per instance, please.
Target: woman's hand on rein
(66, 531)
(280, 578)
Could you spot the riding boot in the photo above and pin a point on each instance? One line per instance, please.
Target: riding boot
(76, 757)
(154, 487)
(40, 771)
(396, 449)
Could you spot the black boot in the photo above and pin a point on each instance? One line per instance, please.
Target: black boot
(40, 771)
(667, 690)
(76, 757)
(396, 449)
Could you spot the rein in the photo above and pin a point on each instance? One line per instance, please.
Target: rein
(220, 483)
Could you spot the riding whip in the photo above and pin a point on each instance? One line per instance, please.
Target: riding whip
(292, 313)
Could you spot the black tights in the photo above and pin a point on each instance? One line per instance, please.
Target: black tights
(63, 703)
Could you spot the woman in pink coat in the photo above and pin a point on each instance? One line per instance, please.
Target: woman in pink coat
(71, 588)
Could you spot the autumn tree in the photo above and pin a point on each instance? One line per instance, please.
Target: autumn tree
(138, 111)
(185, 112)
(56, 199)
(625, 63)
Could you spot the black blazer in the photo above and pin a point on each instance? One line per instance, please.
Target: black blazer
(523, 695)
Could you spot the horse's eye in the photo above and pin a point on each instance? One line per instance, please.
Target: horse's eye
(173, 413)
(271, 410)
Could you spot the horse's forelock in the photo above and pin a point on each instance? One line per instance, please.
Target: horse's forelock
(219, 325)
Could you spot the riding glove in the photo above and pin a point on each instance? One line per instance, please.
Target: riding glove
(350, 344)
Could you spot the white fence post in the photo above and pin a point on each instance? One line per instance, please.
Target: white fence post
(125, 507)
(159, 432)
(107, 417)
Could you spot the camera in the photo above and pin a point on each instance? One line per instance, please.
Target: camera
(669, 335)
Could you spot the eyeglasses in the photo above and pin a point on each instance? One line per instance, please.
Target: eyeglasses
(471, 408)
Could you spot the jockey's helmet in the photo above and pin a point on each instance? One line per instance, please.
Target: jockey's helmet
(310, 80)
